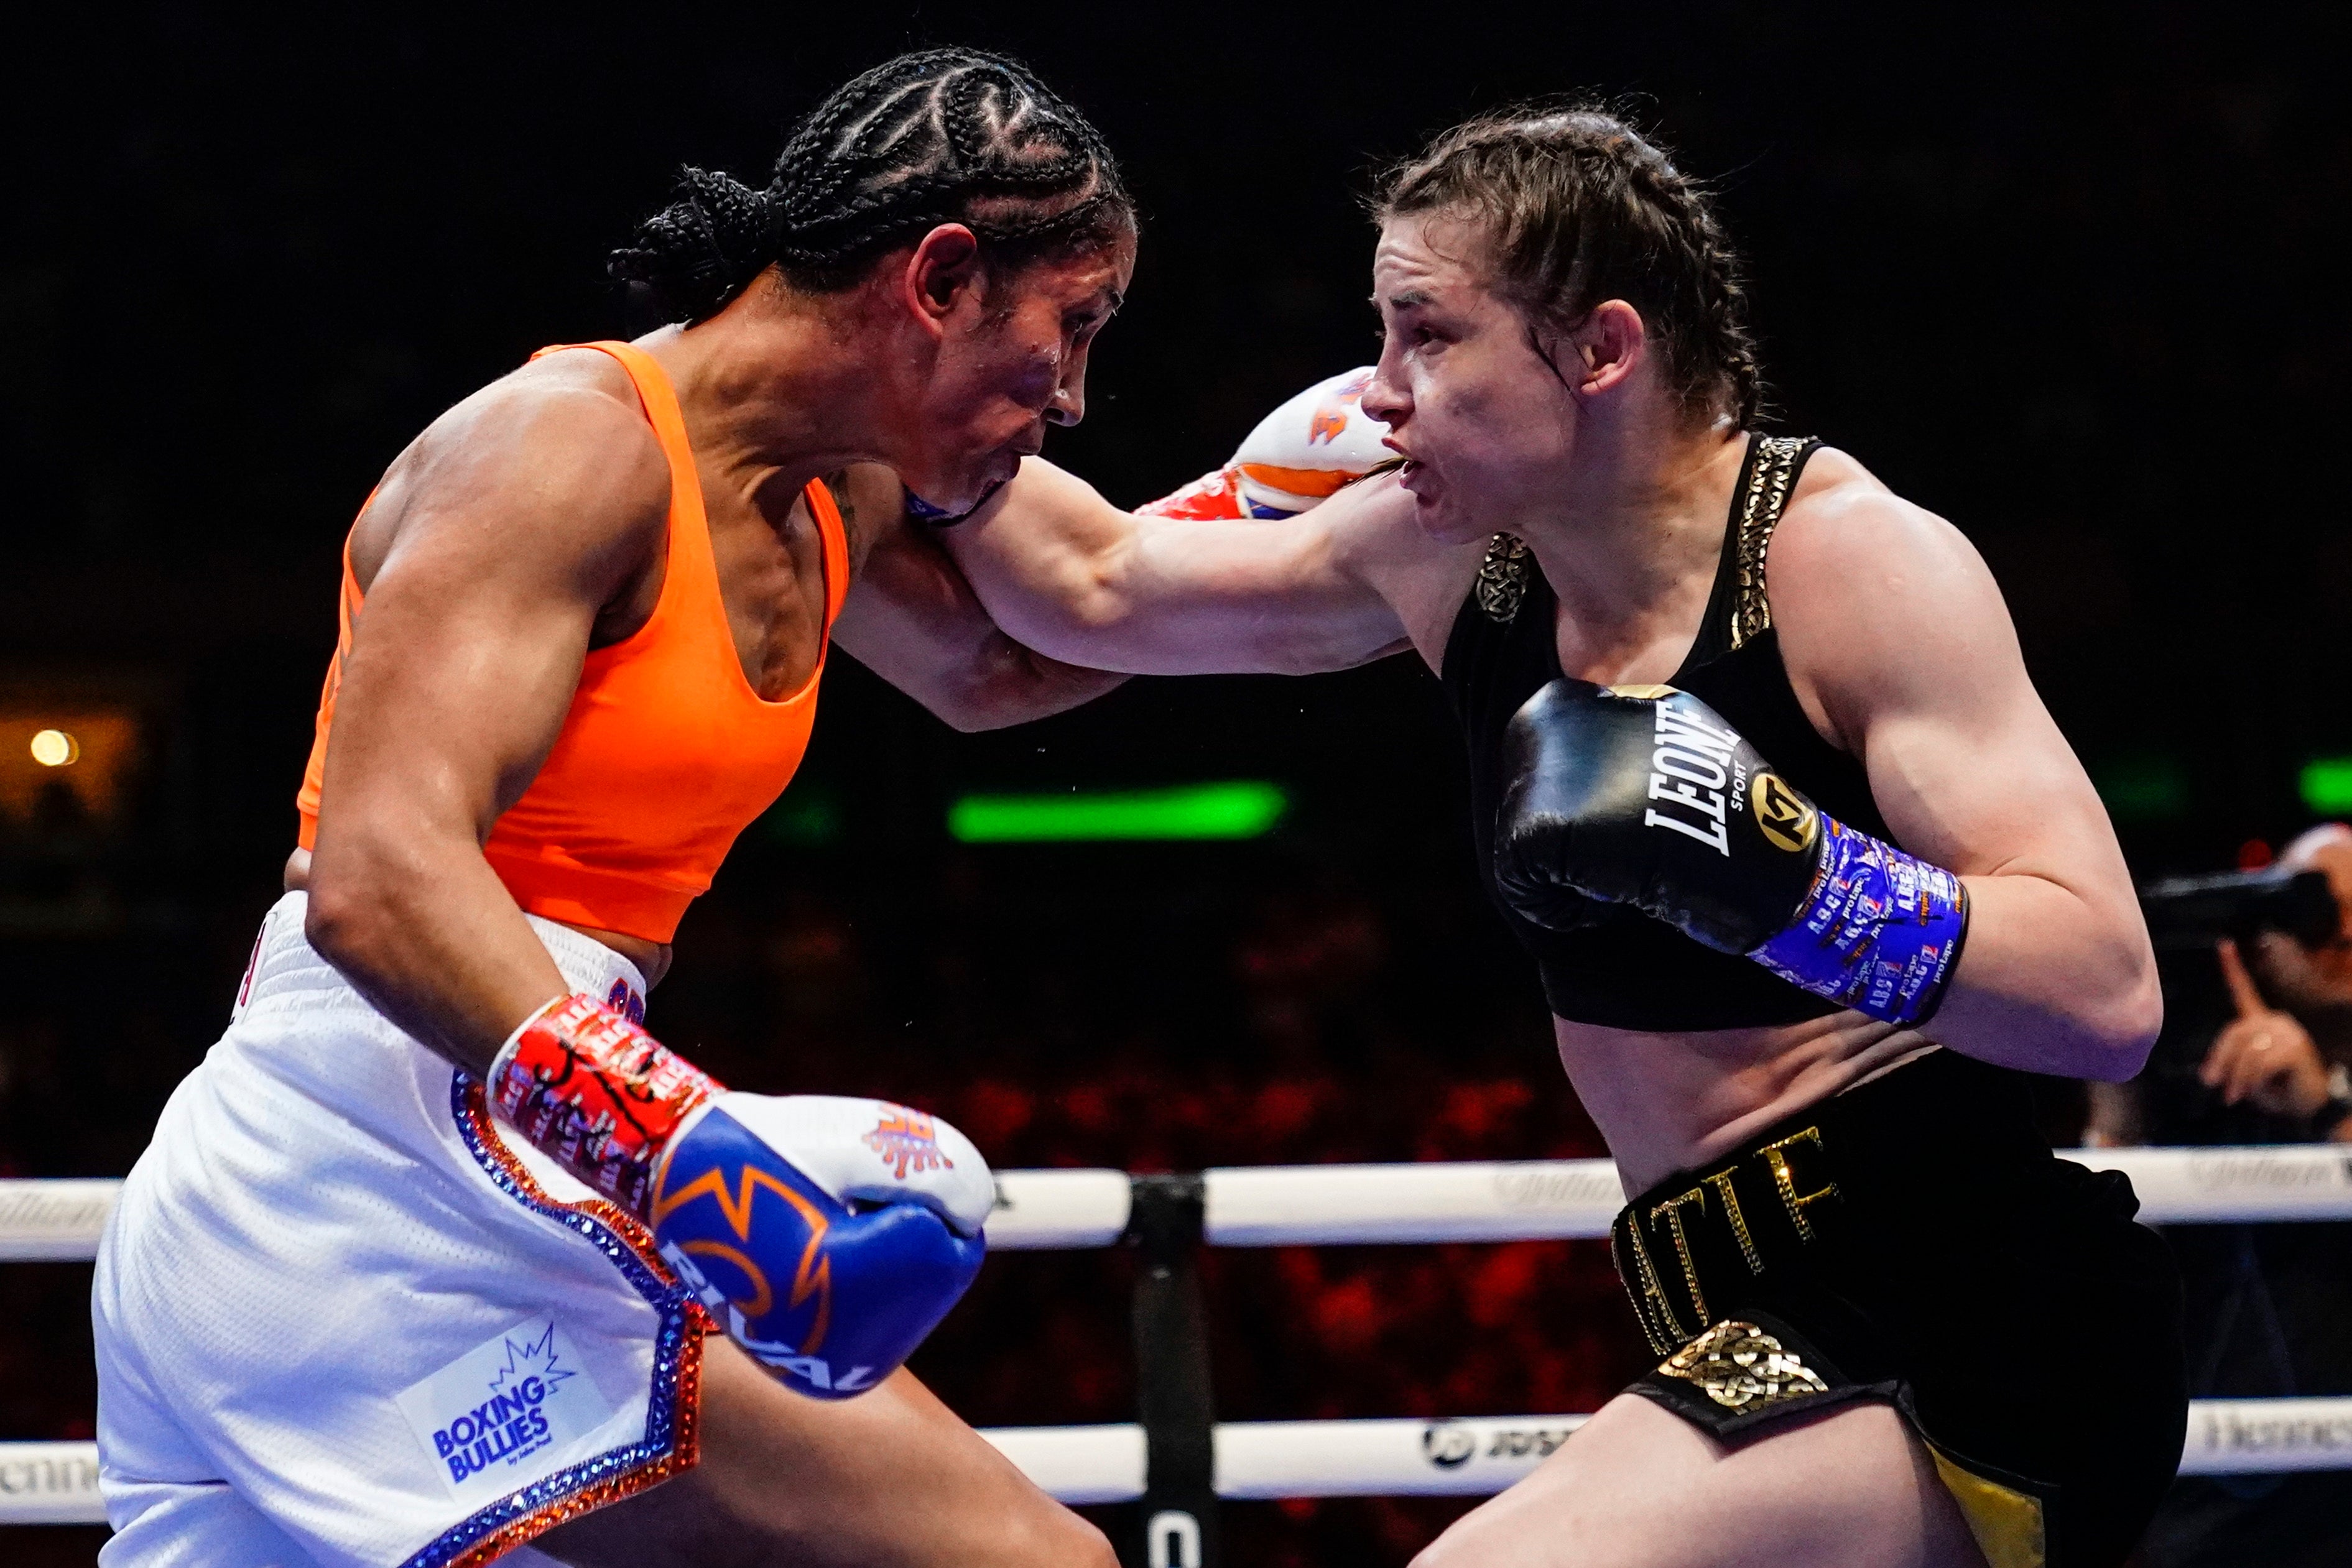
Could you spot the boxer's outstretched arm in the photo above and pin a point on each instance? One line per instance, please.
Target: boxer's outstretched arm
(1063, 571)
(1890, 623)
(912, 619)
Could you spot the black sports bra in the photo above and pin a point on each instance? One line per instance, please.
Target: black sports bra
(1630, 971)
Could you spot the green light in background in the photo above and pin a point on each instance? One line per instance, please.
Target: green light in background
(2327, 784)
(2144, 789)
(808, 817)
(1241, 809)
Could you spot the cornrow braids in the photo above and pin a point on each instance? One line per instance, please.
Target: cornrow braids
(1578, 207)
(934, 137)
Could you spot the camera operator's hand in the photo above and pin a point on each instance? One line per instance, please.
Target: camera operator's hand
(2262, 1054)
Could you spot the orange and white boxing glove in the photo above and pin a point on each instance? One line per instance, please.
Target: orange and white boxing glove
(1299, 456)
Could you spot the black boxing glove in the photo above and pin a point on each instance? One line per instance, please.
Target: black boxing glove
(1645, 796)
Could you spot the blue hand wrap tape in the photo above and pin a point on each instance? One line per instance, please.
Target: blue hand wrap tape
(1880, 932)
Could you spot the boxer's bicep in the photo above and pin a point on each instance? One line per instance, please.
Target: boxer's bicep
(911, 618)
(1065, 572)
(1285, 595)
(1050, 559)
(1989, 788)
(1378, 538)
(1889, 618)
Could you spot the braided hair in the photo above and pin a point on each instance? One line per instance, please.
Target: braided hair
(1578, 207)
(934, 137)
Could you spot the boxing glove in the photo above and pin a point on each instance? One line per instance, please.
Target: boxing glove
(1645, 796)
(828, 1236)
(1299, 456)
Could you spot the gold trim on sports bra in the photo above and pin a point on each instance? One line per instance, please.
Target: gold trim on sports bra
(1503, 577)
(1770, 478)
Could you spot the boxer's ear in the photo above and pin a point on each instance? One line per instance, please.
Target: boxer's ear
(1606, 348)
(941, 274)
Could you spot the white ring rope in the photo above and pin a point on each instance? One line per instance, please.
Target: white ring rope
(1285, 1205)
(1276, 1205)
(57, 1483)
(1477, 1455)
(52, 1221)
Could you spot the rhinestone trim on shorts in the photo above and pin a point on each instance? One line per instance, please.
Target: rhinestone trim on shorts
(672, 1441)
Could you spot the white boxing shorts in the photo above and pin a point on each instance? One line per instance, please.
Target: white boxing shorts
(341, 1320)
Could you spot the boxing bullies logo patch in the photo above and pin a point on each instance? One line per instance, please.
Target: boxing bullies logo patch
(1787, 818)
(514, 1409)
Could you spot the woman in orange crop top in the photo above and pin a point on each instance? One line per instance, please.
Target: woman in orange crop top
(583, 620)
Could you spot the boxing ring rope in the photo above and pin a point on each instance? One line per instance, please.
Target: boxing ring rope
(1397, 1204)
(1176, 1457)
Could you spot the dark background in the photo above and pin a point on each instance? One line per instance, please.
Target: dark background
(2068, 279)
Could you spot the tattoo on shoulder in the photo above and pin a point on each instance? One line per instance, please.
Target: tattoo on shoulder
(845, 503)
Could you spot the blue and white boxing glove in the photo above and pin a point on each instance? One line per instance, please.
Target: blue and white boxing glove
(828, 1234)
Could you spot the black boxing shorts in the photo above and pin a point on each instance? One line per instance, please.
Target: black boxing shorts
(1914, 1241)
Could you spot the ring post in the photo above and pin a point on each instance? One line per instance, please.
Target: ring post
(1177, 1520)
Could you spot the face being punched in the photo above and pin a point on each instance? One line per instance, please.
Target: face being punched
(1483, 422)
(1010, 358)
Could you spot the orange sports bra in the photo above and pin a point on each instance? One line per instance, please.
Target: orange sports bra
(667, 753)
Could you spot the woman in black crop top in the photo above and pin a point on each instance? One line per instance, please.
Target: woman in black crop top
(1894, 1329)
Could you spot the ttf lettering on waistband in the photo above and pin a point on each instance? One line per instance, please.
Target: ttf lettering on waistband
(1787, 1166)
(1776, 1154)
